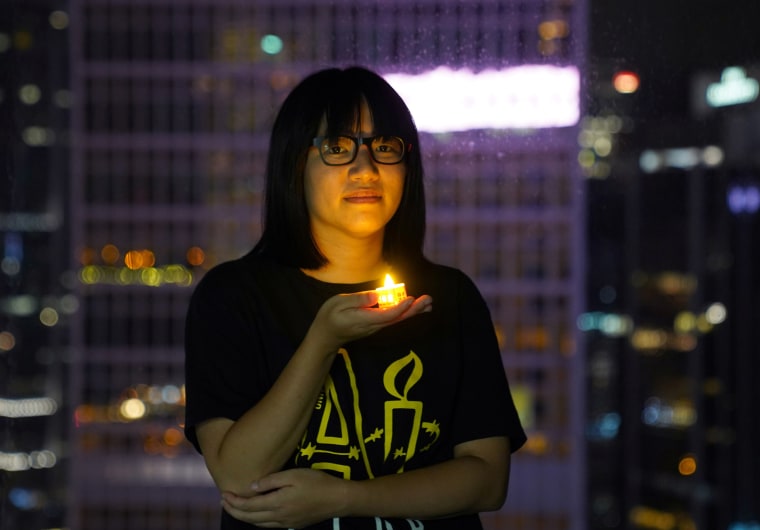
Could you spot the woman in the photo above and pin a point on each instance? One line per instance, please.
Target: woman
(312, 406)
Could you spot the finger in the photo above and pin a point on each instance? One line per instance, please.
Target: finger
(248, 516)
(269, 483)
(236, 501)
(423, 304)
(356, 300)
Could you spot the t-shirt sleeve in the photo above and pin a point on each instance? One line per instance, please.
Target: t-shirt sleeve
(223, 372)
(484, 406)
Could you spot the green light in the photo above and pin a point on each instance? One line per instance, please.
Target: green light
(271, 44)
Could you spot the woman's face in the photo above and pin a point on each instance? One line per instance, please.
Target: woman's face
(355, 200)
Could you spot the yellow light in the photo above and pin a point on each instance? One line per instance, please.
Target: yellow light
(553, 29)
(648, 339)
(49, 316)
(391, 293)
(132, 409)
(685, 322)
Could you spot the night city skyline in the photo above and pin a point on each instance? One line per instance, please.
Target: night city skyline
(615, 237)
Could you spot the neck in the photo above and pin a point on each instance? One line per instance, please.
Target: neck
(360, 261)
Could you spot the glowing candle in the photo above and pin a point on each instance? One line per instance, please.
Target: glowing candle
(391, 293)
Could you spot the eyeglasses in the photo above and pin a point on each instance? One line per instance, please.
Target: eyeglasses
(341, 150)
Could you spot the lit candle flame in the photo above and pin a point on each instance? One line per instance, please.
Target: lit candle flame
(391, 293)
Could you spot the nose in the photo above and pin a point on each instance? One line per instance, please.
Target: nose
(364, 166)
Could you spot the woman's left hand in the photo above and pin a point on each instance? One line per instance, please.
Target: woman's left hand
(293, 498)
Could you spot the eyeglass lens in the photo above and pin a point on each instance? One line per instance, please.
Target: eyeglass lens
(339, 150)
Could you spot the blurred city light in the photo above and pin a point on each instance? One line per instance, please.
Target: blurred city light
(687, 465)
(733, 88)
(59, 19)
(743, 199)
(522, 97)
(271, 44)
(677, 414)
(651, 161)
(625, 82)
(27, 408)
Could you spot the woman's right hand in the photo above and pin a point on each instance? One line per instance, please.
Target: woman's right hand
(347, 317)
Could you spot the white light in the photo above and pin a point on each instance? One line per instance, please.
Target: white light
(716, 313)
(20, 305)
(734, 88)
(29, 94)
(23, 461)
(27, 408)
(38, 136)
(523, 97)
(684, 157)
(712, 155)
(650, 161)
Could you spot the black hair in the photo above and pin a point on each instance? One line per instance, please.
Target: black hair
(336, 95)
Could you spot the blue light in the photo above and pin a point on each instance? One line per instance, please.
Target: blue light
(744, 525)
(271, 44)
(605, 427)
(743, 199)
(24, 499)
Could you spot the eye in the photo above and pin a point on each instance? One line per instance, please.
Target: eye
(388, 145)
(337, 145)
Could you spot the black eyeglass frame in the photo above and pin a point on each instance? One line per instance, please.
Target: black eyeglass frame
(358, 142)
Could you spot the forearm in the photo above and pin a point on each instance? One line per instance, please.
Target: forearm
(465, 484)
(261, 441)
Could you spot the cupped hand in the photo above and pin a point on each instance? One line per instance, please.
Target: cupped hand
(346, 317)
(293, 498)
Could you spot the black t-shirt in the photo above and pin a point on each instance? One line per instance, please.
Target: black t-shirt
(398, 400)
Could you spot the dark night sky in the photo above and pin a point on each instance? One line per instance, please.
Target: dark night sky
(668, 40)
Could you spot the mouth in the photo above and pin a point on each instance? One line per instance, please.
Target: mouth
(363, 196)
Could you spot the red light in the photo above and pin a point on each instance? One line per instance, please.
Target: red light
(625, 82)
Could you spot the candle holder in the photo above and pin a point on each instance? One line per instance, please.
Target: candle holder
(391, 293)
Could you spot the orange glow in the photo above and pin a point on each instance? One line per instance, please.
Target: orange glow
(7, 341)
(84, 414)
(195, 256)
(152, 445)
(391, 293)
(537, 444)
(133, 259)
(87, 256)
(173, 437)
(148, 258)
(687, 466)
(553, 29)
(110, 254)
(626, 82)
(138, 259)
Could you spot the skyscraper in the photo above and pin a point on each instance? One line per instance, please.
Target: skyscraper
(174, 104)
(35, 304)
